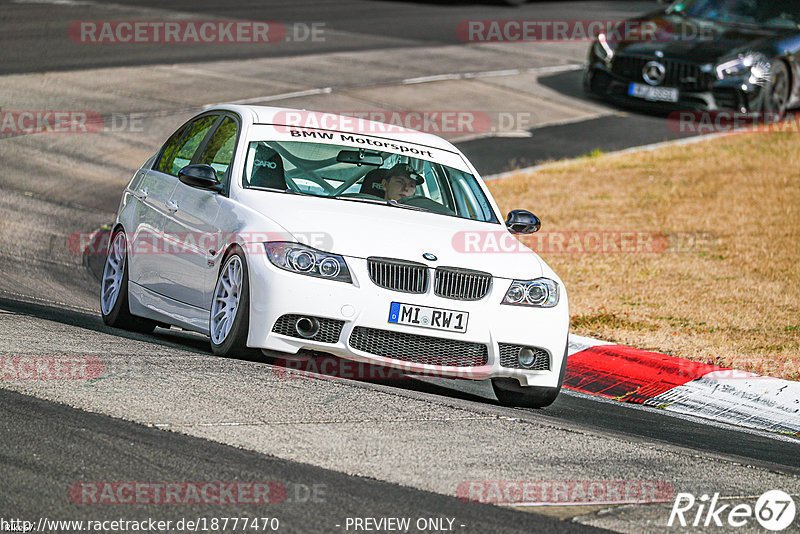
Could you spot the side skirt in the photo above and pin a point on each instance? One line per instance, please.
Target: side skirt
(151, 305)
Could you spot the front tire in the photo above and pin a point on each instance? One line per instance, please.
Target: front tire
(114, 305)
(776, 92)
(229, 321)
(510, 393)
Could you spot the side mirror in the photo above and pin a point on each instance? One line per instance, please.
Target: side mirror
(522, 222)
(201, 176)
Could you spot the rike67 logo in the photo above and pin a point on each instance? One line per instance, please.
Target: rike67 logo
(774, 510)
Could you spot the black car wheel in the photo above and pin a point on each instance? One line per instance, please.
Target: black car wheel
(775, 99)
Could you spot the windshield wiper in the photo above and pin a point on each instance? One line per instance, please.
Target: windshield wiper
(392, 203)
(302, 193)
(406, 206)
(359, 199)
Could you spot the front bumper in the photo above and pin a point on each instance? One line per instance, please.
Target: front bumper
(730, 94)
(361, 309)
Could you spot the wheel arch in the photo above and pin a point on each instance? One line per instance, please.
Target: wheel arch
(229, 250)
(117, 226)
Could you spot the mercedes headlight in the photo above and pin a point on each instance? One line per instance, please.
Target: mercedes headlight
(602, 49)
(757, 65)
(301, 259)
(541, 293)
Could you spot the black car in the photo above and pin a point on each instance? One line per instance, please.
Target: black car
(703, 55)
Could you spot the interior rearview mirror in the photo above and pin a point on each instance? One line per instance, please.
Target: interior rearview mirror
(360, 157)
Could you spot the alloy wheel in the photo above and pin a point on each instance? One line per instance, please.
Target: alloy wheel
(226, 299)
(113, 272)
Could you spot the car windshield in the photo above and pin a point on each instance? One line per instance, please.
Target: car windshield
(393, 180)
(773, 13)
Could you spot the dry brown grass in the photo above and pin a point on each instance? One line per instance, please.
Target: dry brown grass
(726, 291)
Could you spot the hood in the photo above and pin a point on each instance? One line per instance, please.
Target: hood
(360, 229)
(698, 40)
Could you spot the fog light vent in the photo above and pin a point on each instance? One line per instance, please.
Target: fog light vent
(524, 357)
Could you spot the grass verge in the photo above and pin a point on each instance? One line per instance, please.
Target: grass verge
(712, 272)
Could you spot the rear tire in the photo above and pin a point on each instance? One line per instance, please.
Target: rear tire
(114, 305)
(229, 320)
(510, 393)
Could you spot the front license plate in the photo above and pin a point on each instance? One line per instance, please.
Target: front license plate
(436, 318)
(655, 94)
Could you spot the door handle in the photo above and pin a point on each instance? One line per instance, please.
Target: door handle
(172, 206)
(141, 194)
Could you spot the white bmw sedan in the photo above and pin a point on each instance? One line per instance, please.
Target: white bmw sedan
(285, 230)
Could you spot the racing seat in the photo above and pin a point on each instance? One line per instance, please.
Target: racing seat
(268, 169)
(372, 183)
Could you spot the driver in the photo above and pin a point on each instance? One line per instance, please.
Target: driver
(401, 181)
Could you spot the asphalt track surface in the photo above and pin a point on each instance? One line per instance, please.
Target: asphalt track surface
(46, 446)
(607, 133)
(33, 42)
(64, 440)
(571, 410)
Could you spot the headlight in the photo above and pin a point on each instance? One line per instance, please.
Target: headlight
(301, 259)
(602, 49)
(541, 293)
(757, 65)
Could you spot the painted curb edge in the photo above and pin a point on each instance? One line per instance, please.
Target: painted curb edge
(682, 386)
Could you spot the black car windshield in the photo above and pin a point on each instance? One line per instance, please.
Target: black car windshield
(773, 13)
(332, 171)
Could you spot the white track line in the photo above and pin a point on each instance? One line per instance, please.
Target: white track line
(412, 81)
(283, 96)
(491, 74)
